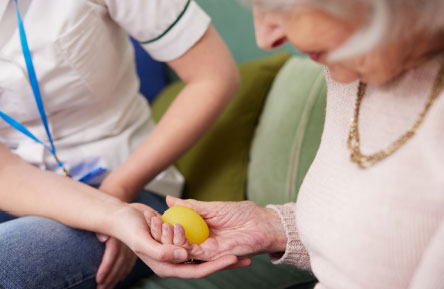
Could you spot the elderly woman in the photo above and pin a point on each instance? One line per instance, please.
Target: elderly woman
(370, 213)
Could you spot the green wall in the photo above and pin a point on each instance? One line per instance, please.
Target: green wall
(235, 24)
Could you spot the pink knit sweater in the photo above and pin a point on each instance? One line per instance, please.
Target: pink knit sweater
(380, 228)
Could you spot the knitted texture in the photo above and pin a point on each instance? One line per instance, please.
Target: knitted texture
(382, 227)
(378, 227)
(295, 253)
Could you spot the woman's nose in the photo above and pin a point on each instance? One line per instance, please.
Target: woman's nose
(269, 30)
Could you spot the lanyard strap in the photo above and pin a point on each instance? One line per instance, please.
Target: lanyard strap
(33, 77)
(37, 96)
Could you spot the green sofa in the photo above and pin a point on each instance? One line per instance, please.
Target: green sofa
(259, 149)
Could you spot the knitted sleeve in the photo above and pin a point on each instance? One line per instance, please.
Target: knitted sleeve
(295, 253)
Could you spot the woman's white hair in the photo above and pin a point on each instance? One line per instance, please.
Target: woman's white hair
(386, 19)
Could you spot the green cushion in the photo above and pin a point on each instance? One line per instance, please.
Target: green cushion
(261, 275)
(216, 167)
(288, 135)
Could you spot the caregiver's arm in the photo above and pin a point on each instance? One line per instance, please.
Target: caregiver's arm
(26, 190)
(211, 78)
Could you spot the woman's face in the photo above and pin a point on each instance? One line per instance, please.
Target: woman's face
(317, 33)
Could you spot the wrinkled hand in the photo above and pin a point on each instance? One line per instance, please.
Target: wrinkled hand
(243, 229)
(164, 259)
(117, 261)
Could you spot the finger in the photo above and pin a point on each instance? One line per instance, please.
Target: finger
(102, 238)
(190, 203)
(147, 247)
(202, 208)
(148, 215)
(207, 252)
(192, 271)
(109, 285)
(116, 271)
(244, 262)
(167, 234)
(142, 207)
(123, 267)
(173, 201)
(179, 236)
(156, 228)
(108, 259)
(132, 263)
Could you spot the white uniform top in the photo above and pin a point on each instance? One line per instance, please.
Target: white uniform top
(85, 67)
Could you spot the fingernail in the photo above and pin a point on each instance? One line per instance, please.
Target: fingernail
(180, 255)
(101, 237)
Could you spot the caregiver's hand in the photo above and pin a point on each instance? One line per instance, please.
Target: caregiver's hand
(130, 226)
(117, 261)
(240, 228)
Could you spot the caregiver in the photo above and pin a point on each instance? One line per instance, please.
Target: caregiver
(68, 80)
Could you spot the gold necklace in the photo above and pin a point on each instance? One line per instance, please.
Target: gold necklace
(353, 143)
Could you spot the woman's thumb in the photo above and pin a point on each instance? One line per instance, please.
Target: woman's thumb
(192, 204)
(173, 201)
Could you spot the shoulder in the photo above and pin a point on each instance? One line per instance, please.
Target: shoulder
(166, 29)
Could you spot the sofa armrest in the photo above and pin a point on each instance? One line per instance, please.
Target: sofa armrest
(289, 133)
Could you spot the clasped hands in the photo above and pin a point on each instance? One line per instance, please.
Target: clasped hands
(238, 230)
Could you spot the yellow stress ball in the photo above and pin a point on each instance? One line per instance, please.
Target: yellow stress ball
(196, 230)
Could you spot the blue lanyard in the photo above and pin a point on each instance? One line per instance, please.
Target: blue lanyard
(37, 96)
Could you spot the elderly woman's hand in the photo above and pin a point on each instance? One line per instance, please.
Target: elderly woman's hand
(166, 260)
(243, 229)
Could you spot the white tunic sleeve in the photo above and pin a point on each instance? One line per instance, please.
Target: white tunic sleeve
(166, 28)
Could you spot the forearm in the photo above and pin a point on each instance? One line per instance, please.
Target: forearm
(188, 117)
(26, 190)
(211, 78)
